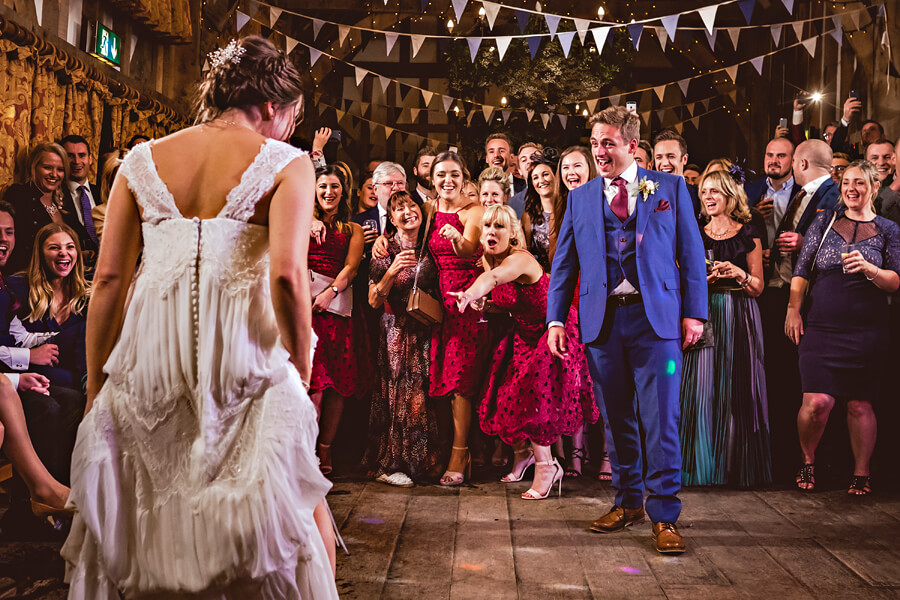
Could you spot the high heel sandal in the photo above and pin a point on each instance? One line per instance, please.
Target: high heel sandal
(860, 485)
(457, 478)
(325, 467)
(519, 467)
(533, 494)
(605, 475)
(806, 476)
(51, 514)
(575, 454)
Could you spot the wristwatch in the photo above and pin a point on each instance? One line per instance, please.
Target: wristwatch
(335, 290)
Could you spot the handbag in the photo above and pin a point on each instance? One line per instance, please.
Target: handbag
(422, 306)
(342, 304)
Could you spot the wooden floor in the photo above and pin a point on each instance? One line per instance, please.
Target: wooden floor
(483, 541)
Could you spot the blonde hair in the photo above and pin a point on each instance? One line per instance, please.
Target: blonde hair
(34, 159)
(506, 217)
(40, 290)
(735, 197)
(869, 173)
(498, 176)
(716, 164)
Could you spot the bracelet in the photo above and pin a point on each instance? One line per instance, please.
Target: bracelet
(379, 293)
(875, 276)
(305, 384)
(746, 282)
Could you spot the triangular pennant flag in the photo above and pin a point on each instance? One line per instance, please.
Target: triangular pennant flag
(592, 105)
(798, 29)
(635, 30)
(581, 27)
(39, 10)
(488, 111)
(469, 118)
(684, 84)
(529, 113)
(522, 17)
(427, 96)
(662, 36)
(474, 43)
(448, 102)
(696, 123)
(733, 95)
(134, 43)
(854, 17)
(317, 27)
(360, 74)
(552, 24)
(505, 114)
(205, 66)
(314, 54)
(414, 114)
(385, 82)
(458, 7)
(274, 13)
(645, 116)
(757, 63)
(364, 108)
(340, 114)
(708, 16)
(490, 11)
(389, 40)
(563, 120)
(705, 104)
(614, 100)
(241, 19)
(679, 127)
(343, 30)
(565, 40)
(534, 43)
(660, 91)
(671, 25)
(545, 118)
(732, 72)
(387, 132)
(734, 33)
(776, 33)
(711, 38)
(252, 8)
(424, 4)
(661, 115)
(789, 5)
(416, 41)
(838, 32)
(690, 108)
(746, 7)
(810, 45)
(502, 45)
(600, 35)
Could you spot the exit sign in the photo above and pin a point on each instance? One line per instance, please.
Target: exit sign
(106, 45)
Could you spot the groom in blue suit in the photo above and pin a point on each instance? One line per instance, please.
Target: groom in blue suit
(632, 237)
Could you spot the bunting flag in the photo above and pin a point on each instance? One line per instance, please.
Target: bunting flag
(490, 11)
(810, 45)
(317, 27)
(416, 41)
(458, 7)
(426, 97)
(387, 132)
(474, 44)
(565, 40)
(241, 19)
(757, 63)
(854, 17)
(522, 17)
(313, 54)
(711, 38)
(505, 114)
(838, 32)
(534, 43)
(732, 72)
(635, 30)
(671, 25)
(205, 66)
(360, 75)
(385, 82)
(389, 40)
(733, 95)
(470, 117)
(660, 91)
(529, 113)
(581, 27)
(487, 110)
(679, 127)
(645, 117)
(414, 114)
(613, 100)
(592, 106)
(789, 5)
(503, 45)
(343, 30)
(684, 84)
(448, 102)
(690, 108)
(252, 8)
(39, 11)
(696, 123)
(734, 33)
(746, 7)
(798, 30)
(552, 24)
(563, 120)
(545, 118)
(274, 13)
(662, 36)
(776, 34)
(134, 43)
(708, 16)
(600, 35)
(289, 45)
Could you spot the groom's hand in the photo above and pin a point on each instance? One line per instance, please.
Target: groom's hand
(556, 339)
(691, 330)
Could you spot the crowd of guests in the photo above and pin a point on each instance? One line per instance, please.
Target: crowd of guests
(430, 299)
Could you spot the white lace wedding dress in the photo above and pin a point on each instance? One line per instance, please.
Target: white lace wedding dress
(194, 474)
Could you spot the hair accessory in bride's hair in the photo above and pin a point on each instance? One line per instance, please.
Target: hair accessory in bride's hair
(231, 53)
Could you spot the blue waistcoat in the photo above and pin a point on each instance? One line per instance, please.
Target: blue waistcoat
(621, 249)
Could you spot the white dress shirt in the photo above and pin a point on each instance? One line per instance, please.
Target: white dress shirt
(76, 197)
(382, 217)
(780, 200)
(18, 358)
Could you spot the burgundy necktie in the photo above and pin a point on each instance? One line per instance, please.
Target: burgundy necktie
(619, 204)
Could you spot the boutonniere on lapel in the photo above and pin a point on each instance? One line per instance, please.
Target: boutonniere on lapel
(647, 188)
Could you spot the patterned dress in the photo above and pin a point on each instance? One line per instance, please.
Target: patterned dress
(530, 393)
(460, 351)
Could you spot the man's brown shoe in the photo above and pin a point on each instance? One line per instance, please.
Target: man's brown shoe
(667, 538)
(617, 519)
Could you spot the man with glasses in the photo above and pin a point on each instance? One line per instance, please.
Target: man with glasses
(388, 177)
(839, 162)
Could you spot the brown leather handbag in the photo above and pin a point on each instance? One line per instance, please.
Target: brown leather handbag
(422, 306)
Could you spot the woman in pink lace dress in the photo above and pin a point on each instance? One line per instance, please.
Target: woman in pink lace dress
(459, 352)
(530, 395)
(336, 374)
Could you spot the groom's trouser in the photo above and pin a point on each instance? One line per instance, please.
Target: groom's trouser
(629, 357)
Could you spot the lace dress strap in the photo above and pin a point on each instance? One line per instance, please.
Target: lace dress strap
(150, 191)
(258, 179)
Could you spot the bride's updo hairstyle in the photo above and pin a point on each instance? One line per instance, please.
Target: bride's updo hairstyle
(247, 72)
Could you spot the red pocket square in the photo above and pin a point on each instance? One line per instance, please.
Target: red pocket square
(663, 205)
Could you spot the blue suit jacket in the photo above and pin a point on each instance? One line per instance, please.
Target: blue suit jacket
(670, 259)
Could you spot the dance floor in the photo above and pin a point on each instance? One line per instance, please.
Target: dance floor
(482, 541)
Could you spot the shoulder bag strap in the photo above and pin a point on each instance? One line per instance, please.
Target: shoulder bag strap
(424, 245)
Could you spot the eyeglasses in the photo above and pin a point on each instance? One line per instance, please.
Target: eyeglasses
(398, 185)
(826, 136)
(838, 168)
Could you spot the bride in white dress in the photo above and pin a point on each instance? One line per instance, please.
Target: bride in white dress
(194, 474)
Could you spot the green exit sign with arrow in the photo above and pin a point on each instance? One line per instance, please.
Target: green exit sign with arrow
(106, 45)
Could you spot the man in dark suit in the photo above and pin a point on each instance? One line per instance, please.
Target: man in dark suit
(670, 155)
(637, 311)
(80, 196)
(422, 173)
(770, 195)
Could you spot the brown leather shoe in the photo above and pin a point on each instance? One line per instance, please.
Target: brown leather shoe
(667, 538)
(617, 519)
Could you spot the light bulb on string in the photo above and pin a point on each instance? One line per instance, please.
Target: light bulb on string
(450, 24)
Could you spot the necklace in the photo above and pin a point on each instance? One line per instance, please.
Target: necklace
(718, 235)
(50, 208)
